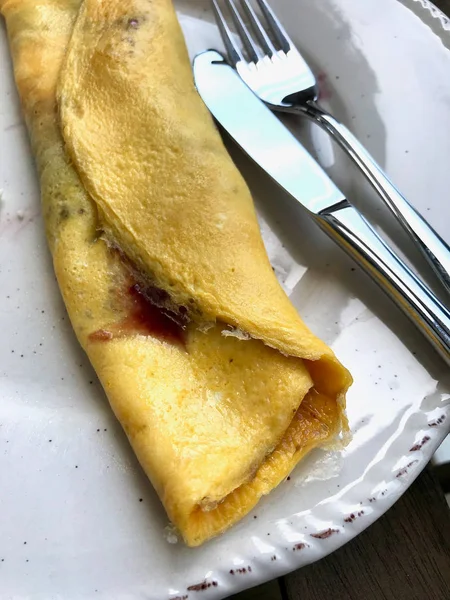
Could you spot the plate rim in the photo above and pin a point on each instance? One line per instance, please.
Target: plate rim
(432, 16)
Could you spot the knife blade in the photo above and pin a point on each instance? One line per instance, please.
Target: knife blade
(268, 142)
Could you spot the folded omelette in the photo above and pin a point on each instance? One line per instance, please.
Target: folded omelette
(217, 382)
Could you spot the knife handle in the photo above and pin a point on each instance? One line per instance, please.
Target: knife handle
(356, 236)
(432, 246)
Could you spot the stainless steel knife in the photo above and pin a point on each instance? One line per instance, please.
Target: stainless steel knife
(269, 143)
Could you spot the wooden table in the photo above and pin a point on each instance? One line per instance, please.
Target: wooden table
(444, 5)
(405, 555)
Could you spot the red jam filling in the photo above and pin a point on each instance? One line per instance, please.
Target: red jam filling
(146, 316)
(149, 318)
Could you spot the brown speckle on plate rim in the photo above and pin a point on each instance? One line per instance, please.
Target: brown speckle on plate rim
(437, 422)
(203, 585)
(419, 446)
(299, 546)
(323, 535)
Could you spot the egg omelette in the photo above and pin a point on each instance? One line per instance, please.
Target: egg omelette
(217, 382)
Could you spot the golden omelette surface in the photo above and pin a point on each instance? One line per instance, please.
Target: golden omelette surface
(128, 157)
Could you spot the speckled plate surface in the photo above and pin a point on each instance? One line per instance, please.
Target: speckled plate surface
(78, 517)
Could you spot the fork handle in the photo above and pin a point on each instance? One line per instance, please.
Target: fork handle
(356, 236)
(433, 247)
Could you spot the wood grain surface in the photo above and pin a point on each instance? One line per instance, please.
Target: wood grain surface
(405, 555)
(444, 5)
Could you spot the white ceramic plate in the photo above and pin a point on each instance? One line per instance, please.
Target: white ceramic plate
(78, 517)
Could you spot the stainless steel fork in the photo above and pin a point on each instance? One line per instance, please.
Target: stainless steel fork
(277, 73)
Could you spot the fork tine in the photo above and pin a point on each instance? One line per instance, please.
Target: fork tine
(263, 38)
(233, 51)
(246, 37)
(277, 28)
